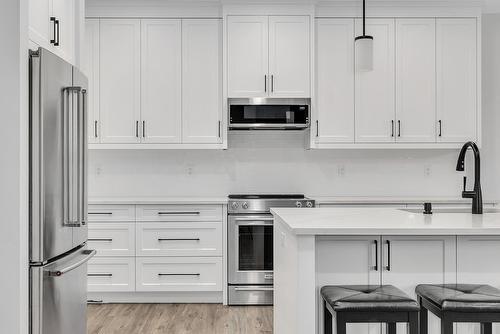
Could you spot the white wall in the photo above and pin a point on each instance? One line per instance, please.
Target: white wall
(13, 200)
(261, 162)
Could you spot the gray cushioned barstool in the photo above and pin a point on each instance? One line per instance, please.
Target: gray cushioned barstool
(368, 303)
(459, 303)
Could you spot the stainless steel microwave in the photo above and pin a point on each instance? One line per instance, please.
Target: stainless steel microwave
(269, 114)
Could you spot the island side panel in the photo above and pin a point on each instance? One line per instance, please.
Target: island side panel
(295, 292)
(478, 262)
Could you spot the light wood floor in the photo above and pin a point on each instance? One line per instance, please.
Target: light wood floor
(179, 319)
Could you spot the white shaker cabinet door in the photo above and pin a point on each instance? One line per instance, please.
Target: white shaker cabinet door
(120, 74)
(415, 80)
(40, 27)
(334, 81)
(247, 56)
(201, 81)
(375, 90)
(456, 79)
(289, 56)
(348, 260)
(161, 81)
(412, 260)
(64, 12)
(90, 67)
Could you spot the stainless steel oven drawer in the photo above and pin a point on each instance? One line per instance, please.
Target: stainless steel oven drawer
(250, 295)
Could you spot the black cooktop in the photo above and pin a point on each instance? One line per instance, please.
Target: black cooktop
(267, 196)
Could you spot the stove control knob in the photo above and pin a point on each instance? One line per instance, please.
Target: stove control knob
(235, 205)
(244, 205)
(309, 204)
(298, 204)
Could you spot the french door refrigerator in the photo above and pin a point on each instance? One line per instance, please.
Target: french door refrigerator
(58, 196)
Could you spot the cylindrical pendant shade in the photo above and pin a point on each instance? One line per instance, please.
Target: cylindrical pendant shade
(364, 53)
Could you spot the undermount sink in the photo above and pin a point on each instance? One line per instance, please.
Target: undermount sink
(451, 210)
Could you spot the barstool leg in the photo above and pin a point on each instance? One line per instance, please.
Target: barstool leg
(391, 328)
(413, 322)
(486, 328)
(424, 327)
(341, 324)
(327, 320)
(446, 326)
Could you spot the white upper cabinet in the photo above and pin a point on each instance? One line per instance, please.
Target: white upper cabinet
(161, 81)
(120, 80)
(201, 81)
(456, 79)
(375, 90)
(247, 61)
(268, 56)
(289, 64)
(52, 26)
(334, 81)
(415, 80)
(90, 67)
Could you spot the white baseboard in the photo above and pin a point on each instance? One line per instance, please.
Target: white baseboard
(155, 297)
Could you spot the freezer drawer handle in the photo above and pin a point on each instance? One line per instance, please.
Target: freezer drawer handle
(179, 239)
(253, 289)
(162, 274)
(100, 239)
(58, 273)
(100, 275)
(193, 213)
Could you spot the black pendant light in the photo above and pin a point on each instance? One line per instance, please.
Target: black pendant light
(364, 48)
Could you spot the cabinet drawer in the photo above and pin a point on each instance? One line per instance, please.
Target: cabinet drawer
(179, 213)
(179, 239)
(112, 239)
(111, 213)
(179, 274)
(111, 274)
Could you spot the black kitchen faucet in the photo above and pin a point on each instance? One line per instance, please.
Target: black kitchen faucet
(476, 194)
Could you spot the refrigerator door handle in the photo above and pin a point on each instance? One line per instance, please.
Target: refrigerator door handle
(88, 255)
(71, 158)
(84, 165)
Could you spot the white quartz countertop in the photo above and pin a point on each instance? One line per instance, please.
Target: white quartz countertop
(377, 221)
(157, 200)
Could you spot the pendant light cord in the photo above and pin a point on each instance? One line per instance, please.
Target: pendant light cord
(364, 17)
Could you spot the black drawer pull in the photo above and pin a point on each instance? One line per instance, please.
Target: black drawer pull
(162, 274)
(100, 275)
(178, 239)
(101, 213)
(100, 239)
(194, 213)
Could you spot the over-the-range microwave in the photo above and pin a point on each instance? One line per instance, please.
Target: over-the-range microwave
(269, 114)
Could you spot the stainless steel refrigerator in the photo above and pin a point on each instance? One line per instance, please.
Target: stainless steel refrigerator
(58, 196)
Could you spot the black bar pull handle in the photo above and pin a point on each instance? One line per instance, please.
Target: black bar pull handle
(56, 23)
(388, 267)
(399, 128)
(375, 267)
(392, 128)
(54, 32)
(440, 128)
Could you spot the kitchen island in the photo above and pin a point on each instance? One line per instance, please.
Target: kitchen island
(329, 246)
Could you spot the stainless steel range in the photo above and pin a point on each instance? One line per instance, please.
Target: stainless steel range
(250, 245)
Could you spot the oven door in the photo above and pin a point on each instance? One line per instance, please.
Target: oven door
(250, 244)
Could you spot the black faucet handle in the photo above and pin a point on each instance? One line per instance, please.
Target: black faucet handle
(465, 182)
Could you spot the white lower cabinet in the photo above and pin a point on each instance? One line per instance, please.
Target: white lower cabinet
(112, 239)
(411, 260)
(179, 239)
(156, 248)
(106, 274)
(178, 274)
(362, 267)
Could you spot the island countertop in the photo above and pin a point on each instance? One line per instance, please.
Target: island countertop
(380, 221)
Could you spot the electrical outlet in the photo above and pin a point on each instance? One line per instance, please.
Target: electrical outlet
(427, 170)
(341, 170)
